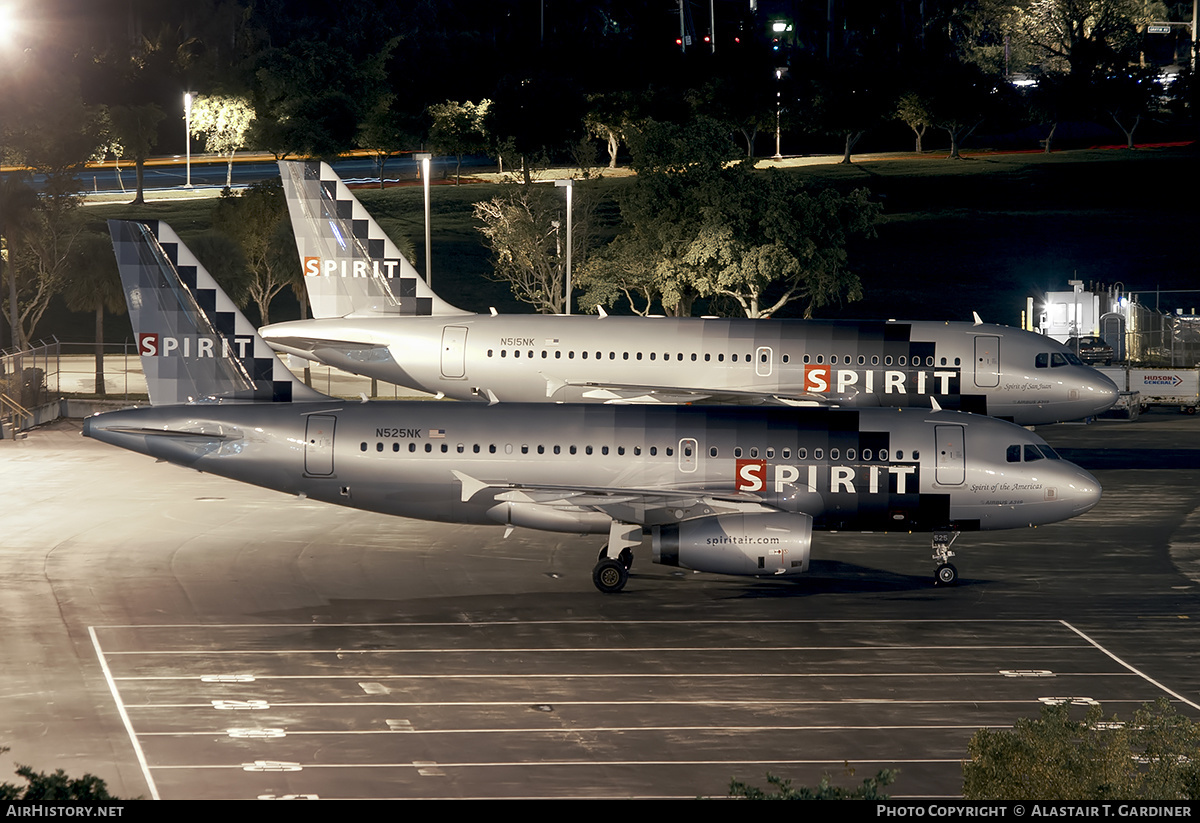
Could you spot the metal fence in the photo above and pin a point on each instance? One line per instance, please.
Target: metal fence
(28, 381)
(1167, 340)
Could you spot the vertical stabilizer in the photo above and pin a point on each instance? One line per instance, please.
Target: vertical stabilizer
(194, 343)
(351, 267)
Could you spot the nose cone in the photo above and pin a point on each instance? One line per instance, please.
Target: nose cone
(1099, 392)
(1077, 488)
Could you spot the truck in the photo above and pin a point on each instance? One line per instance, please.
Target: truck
(1159, 386)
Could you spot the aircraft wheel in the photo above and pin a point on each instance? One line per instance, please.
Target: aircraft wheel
(946, 575)
(610, 575)
(626, 558)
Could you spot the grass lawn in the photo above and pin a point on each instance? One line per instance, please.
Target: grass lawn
(979, 234)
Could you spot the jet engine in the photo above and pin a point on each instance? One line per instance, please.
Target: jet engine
(748, 544)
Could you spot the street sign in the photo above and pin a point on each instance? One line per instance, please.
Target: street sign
(1158, 29)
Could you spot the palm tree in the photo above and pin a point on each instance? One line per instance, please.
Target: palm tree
(95, 285)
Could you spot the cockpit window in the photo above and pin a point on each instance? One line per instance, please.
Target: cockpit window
(1073, 359)
(1032, 453)
(1049, 452)
(1042, 360)
(1014, 454)
(1057, 359)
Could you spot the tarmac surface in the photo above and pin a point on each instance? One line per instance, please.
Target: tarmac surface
(185, 636)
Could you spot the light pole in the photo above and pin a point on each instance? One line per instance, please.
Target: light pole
(570, 186)
(778, 108)
(424, 159)
(187, 125)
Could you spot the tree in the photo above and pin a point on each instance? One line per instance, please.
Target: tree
(1126, 98)
(458, 129)
(94, 284)
(913, 109)
(136, 127)
(1086, 38)
(608, 116)
(54, 787)
(17, 205)
(1156, 756)
(530, 254)
(257, 220)
(385, 131)
(223, 123)
(825, 790)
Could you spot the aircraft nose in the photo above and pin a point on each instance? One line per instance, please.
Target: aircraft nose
(1081, 490)
(1100, 391)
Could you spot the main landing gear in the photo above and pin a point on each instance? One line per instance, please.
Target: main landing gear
(946, 574)
(612, 566)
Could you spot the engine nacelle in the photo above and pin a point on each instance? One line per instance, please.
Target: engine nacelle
(748, 544)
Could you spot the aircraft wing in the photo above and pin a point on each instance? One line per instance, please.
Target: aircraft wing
(674, 395)
(644, 506)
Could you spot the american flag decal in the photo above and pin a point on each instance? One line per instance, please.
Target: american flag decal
(437, 434)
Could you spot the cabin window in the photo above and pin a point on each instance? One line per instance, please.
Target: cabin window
(504, 352)
(787, 453)
(583, 354)
(680, 356)
(428, 448)
(804, 359)
(492, 448)
(604, 449)
(883, 454)
(620, 450)
(653, 355)
(524, 449)
(516, 352)
(866, 455)
(801, 454)
(637, 450)
(693, 357)
(639, 355)
(489, 352)
(395, 447)
(412, 447)
(541, 449)
(887, 361)
(572, 450)
(671, 451)
(820, 359)
(770, 453)
(707, 357)
(834, 454)
(721, 358)
(625, 356)
(445, 448)
(508, 448)
(786, 359)
(851, 454)
(558, 449)
(899, 454)
(545, 354)
(558, 354)
(862, 360)
(461, 448)
(818, 454)
(653, 451)
(363, 446)
(571, 354)
(874, 360)
(737, 452)
(916, 455)
(754, 451)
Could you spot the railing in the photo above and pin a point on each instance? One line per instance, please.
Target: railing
(28, 380)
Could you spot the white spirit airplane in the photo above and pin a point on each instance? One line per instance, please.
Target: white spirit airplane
(374, 315)
(726, 489)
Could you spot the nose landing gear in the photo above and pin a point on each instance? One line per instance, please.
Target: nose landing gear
(946, 574)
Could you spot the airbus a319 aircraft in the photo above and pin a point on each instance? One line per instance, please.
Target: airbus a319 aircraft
(726, 489)
(374, 315)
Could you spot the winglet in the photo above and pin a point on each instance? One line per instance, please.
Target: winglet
(978, 319)
(937, 407)
(600, 310)
(470, 486)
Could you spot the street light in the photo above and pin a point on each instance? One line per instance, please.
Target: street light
(778, 106)
(187, 121)
(570, 186)
(424, 159)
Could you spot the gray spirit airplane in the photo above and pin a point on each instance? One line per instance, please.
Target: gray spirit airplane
(375, 316)
(726, 489)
